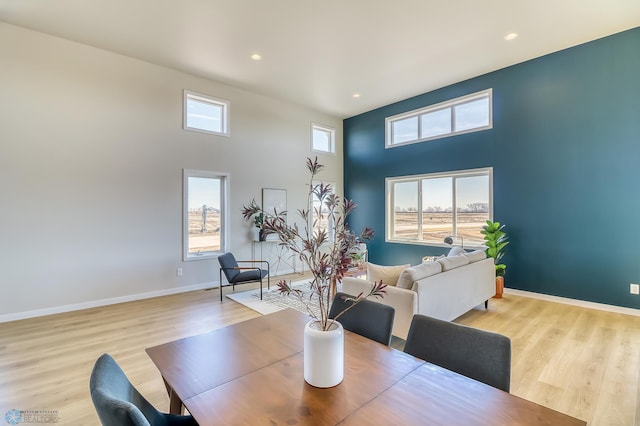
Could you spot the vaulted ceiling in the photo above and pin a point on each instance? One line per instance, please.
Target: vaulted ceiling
(321, 53)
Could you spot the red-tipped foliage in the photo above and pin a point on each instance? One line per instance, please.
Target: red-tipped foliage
(327, 259)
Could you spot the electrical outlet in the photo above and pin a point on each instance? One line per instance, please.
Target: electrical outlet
(634, 288)
(179, 272)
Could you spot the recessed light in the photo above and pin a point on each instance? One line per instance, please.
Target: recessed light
(256, 57)
(511, 36)
(356, 95)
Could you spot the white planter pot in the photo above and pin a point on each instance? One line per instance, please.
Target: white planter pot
(323, 354)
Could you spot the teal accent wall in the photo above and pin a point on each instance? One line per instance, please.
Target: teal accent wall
(565, 151)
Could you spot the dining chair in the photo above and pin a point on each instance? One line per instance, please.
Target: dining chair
(236, 274)
(478, 354)
(367, 318)
(118, 402)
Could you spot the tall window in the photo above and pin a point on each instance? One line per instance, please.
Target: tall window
(206, 114)
(319, 214)
(323, 139)
(466, 114)
(204, 214)
(424, 209)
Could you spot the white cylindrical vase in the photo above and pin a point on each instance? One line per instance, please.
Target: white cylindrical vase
(323, 354)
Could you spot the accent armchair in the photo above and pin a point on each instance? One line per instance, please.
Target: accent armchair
(236, 274)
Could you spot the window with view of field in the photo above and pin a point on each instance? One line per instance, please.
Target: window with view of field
(204, 214)
(424, 209)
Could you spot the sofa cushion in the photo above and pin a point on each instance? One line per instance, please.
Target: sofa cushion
(456, 251)
(453, 262)
(387, 274)
(418, 272)
(476, 255)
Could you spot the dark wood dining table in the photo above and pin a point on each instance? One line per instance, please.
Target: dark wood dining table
(251, 373)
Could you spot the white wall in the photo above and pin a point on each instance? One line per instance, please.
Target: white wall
(91, 157)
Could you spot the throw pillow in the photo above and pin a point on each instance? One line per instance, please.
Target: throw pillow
(453, 262)
(456, 251)
(387, 274)
(418, 272)
(476, 255)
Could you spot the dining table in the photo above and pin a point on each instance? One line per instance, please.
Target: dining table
(251, 373)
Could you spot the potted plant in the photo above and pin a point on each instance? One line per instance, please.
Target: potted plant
(495, 238)
(254, 212)
(357, 249)
(327, 261)
(357, 259)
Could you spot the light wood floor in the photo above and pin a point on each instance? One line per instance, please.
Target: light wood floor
(582, 362)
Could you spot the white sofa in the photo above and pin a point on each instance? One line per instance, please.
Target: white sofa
(443, 289)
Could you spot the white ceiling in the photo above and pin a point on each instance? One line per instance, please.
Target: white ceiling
(319, 53)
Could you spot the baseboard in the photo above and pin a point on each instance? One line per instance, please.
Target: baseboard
(104, 302)
(575, 302)
(286, 271)
(167, 292)
(112, 301)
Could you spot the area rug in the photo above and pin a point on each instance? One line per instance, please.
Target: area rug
(274, 301)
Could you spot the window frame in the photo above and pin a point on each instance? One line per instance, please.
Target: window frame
(449, 104)
(332, 138)
(331, 227)
(390, 204)
(226, 108)
(224, 216)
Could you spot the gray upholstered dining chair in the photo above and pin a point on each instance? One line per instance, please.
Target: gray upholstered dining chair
(118, 403)
(368, 318)
(236, 274)
(478, 354)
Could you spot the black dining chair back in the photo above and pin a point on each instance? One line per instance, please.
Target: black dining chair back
(118, 402)
(368, 318)
(478, 354)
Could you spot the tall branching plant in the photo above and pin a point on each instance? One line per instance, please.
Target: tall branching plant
(495, 238)
(327, 259)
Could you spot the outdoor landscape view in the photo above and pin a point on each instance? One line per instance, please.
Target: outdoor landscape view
(203, 222)
(204, 229)
(424, 209)
(436, 226)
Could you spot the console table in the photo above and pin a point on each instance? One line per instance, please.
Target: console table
(277, 256)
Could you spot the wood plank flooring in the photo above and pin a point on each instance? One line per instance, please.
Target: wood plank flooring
(579, 361)
(582, 362)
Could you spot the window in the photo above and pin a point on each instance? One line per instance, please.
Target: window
(206, 114)
(320, 218)
(323, 139)
(204, 214)
(469, 113)
(424, 209)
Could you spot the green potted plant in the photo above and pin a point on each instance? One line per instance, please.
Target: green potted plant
(495, 238)
(357, 248)
(254, 212)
